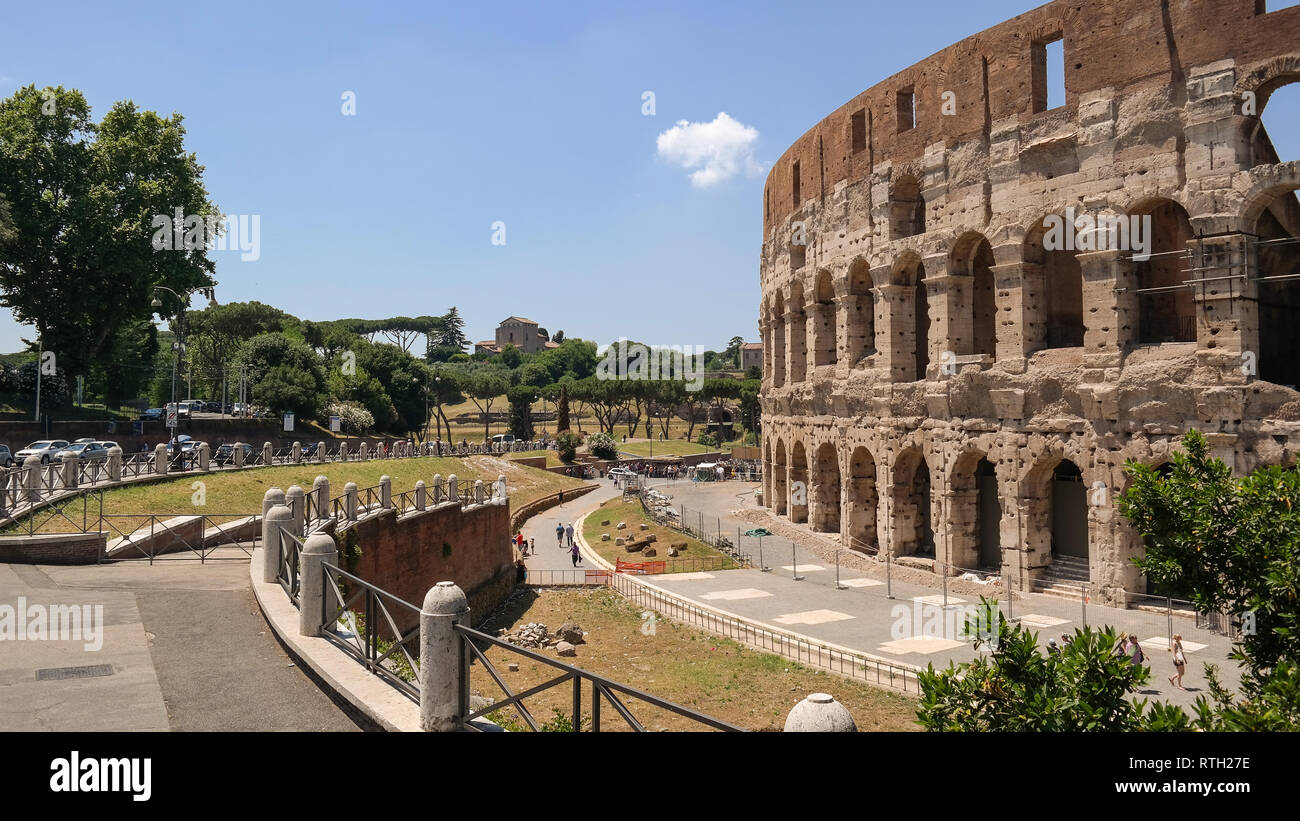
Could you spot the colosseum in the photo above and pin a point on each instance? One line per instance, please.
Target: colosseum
(949, 375)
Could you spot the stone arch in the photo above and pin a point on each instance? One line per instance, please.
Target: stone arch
(1058, 528)
(976, 323)
(798, 483)
(1268, 77)
(824, 348)
(906, 206)
(862, 502)
(1167, 315)
(1059, 279)
(1272, 215)
(913, 532)
(767, 473)
(780, 480)
(826, 490)
(974, 512)
(797, 346)
(911, 317)
(776, 329)
(860, 312)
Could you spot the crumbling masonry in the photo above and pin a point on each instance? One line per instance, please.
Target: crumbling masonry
(944, 376)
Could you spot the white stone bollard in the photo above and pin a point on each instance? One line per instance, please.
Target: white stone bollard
(115, 464)
(453, 489)
(362, 452)
(321, 488)
(386, 492)
(343, 451)
(276, 519)
(501, 489)
(320, 451)
(205, 456)
(445, 606)
(32, 478)
(421, 496)
(238, 454)
(160, 460)
(479, 493)
(69, 464)
(320, 548)
(820, 713)
(439, 489)
(297, 453)
(350, 501)
(273, 496)
(268, 454)
(296, 499)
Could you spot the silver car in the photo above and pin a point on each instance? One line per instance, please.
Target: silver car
(47, 449)
(86, 451)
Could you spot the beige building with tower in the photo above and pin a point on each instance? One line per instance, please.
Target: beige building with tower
(976, 307)
(524, 334)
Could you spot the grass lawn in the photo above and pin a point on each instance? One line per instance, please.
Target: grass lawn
(714, 676)
(617, 510)
(672, 447)
(230, 494)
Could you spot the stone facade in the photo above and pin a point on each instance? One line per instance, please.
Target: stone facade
(944, 376)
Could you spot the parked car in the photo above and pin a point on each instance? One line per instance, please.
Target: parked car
(182, 409)
(212, 407)
(225, 454)
(503, 438)
(240, 409)
(621, 473)
(108, 445)
(86, 451)
(152, 415)
(196, 406)
(47, 449)
(6, 458)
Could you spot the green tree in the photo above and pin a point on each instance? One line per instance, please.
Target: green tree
(521, 399)
(602, 446)
(511, 357)
(287, 388)
(84, 198)
(562, 408)
(451, 334)
(733, 350)
(484, 384)
(566, 445)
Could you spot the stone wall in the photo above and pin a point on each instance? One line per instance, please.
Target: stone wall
(939, 367)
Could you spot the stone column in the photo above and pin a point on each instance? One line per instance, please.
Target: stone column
(297, 453)
(1110, 319)
(237, 454)
(277, 519)
(439, 489)
(896, 332)
(1022, 307)
(1227, 310)
(796, 335)
(115, 464)
(68, 463)
(453, 490)
(318, 550)
(268, 454)
(480, 494)
(362, 452)
(421, 498)
(32, 478)
(445, 606)
(350, 501)
(343, 451)
(160, 465)
(321, 489)
(273, 496)
(205, 457)
(296, 500)
(386, 492)
(320, 451)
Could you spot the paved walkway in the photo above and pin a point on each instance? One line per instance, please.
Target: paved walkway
(186, 643)
(913, 626)
(553, 564)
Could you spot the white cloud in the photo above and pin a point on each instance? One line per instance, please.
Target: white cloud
(712, 152)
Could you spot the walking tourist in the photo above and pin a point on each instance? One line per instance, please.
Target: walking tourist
(573, 552)
(559, 534)
(1135, 650)
(1180, 663)
(568, 533)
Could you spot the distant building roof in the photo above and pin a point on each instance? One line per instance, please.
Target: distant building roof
(550, 344)
(752, 346)
(518, 319)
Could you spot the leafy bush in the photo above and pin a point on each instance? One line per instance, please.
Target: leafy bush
(353, 418)
(708, 440)
(602, 446)
(566, 444)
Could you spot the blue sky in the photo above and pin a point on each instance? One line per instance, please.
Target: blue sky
(525, 113)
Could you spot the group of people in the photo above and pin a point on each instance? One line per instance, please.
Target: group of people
(1130, 648)
(564, 532)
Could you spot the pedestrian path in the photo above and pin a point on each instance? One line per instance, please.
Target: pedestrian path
(910, 622)
(552, 563)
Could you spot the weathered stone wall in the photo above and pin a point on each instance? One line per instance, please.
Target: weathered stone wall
(924, 336)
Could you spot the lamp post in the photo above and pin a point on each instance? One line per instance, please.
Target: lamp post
(178, 346)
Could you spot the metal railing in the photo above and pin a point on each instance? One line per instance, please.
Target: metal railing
(291, 547)
(790, 645)
(363, 638)
(665, 516)
(473, 645)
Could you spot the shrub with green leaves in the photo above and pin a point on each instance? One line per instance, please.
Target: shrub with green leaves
(602, 446)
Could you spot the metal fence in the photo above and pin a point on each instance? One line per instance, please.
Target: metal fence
(664, 515)
(473, 648)
(375, 640)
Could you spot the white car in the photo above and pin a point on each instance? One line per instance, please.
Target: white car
(622, 473)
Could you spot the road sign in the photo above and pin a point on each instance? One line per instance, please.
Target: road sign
(288, 422)
(336, 424)
(171, 418)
